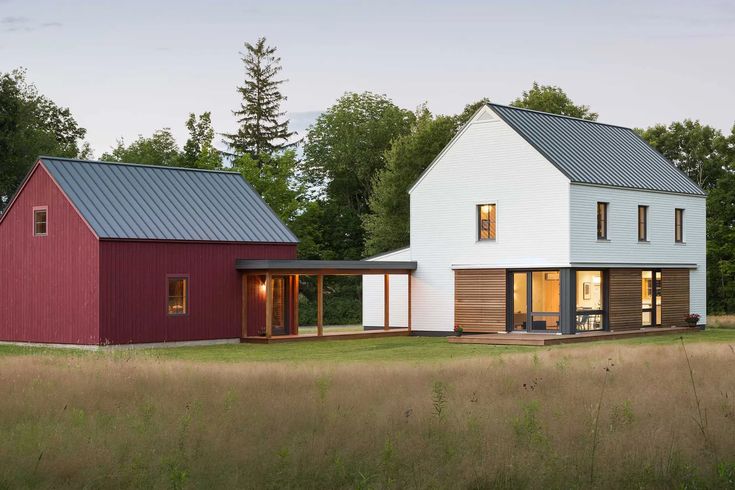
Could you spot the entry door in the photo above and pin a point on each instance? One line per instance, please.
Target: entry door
(278, 302)
(651, 299)
(535, 299)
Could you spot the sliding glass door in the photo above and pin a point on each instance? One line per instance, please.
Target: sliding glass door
(539, 290)
(651, 298)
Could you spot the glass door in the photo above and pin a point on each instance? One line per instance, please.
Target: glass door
(651, 298)
(540, 290)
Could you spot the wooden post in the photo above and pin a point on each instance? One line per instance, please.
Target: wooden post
(409, 303)
(268, 305)
(386, 301)
(244, 332)
(296, 304)
(319, 305)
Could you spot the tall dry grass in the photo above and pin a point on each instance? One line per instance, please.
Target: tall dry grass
(510, 422)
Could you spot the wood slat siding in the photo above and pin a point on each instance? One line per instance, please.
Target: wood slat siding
(674, 297)
(625, 299)
(479, 300)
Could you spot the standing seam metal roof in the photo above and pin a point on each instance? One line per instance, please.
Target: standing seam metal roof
(132, 201)
(595, 153)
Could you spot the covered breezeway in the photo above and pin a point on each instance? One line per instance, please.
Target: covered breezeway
(270, 296)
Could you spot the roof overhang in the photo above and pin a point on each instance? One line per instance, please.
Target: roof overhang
(327, 267)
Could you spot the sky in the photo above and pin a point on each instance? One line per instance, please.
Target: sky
(131, 67)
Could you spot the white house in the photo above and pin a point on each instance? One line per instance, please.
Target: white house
(535, 222)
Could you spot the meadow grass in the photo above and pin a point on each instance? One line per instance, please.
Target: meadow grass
(523, 419)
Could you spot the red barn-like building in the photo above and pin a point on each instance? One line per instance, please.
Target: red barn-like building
(102, 253)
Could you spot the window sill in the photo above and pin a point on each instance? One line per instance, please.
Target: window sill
(644, 242)
(680, 244)
(603, 240)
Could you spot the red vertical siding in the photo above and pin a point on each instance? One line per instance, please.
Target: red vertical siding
(48, 284)
(133, 289)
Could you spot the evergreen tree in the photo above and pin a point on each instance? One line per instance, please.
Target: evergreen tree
(262, 130)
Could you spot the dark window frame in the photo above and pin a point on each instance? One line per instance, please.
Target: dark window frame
(530, 312)
(187, 294)
(679, 225)
(604, 289)
(36, 211)
(492, 230)
(642, 223)
(602, 220)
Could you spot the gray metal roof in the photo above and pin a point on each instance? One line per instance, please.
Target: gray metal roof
(130, 201)
(362, 266)
(595, 153)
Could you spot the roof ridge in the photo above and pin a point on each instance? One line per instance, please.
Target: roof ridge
(491, 104)
(128, 164)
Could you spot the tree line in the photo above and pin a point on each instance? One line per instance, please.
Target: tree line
(342, 186)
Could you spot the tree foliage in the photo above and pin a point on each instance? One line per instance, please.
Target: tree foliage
(158, 149)
(344, 151)
(31, 125)
(387, 225)
(161, 148)
(261, 129)
(697, 150)
(550, 98)
(272, 176)
(199, 150)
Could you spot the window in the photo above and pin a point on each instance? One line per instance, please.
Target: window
(487, 221)
(602, 221)
(642, 223)
(40, 223)
(178, 295)
(590, 309)
(679, 225)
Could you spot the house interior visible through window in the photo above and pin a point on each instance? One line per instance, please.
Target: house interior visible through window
(39, 222)
(178, 295)
(651, 298)
(590, 300)
(545, 301)
(487, 221)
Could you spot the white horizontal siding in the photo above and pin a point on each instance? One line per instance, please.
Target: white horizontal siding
(372, 294)
(623, 247)
(488, 163)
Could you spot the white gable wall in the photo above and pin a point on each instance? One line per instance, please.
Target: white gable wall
(488, 163)
(623, 246)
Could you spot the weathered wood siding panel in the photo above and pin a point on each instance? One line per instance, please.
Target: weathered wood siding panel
(625, 299)
(133, 289)
(674, 297)
(48, 284)
(479, 299)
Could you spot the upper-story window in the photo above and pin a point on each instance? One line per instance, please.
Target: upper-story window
(40, 221)
(679, 225)
(602, 221)
(487, 222)
(642, 223)
(178, 295)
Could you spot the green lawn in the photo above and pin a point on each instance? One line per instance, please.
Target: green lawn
(412, 349)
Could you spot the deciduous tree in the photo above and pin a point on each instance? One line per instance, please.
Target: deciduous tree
(550, 98)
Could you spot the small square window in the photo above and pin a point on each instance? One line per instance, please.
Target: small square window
(178, 296)
(487, 222)
(40, 224)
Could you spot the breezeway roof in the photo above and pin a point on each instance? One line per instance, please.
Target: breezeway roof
(131, 201)
(594, 153)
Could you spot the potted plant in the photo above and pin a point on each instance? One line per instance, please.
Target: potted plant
(458, 330)
(692, 319)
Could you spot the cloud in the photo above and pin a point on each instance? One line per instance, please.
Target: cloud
(24, 24)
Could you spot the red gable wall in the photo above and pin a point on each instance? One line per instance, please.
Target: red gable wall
(48, 284)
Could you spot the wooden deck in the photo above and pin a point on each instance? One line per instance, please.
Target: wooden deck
(541, 339)
(362, 334)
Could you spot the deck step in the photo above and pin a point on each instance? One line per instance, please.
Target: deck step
(552, 339)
